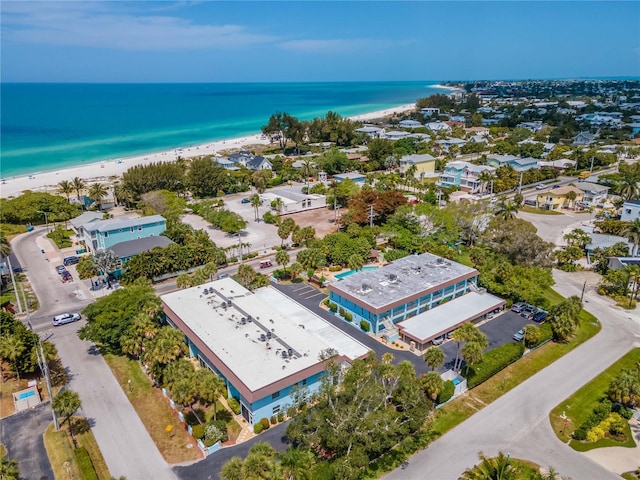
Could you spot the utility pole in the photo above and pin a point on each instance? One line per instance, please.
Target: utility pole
(45, 371)
(46, 219)
(583, 289)
(591, 168)
(371, 216)
(13, 281)
(520, 184)
(26, 307)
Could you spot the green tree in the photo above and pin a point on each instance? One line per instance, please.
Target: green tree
(571, 198)
(506, 210)
(5, 246)
(355, 262)
(282, 258)
(78, 185)
(66, 188)
(12, 347)
(9, 468)
(472, 353)
(296, 464)
(632, 233)
(260, 180)
(295, 269)
(280, 128)
(255, 203)
(106, 261)
(97, 192)
(209, 388)
(492, 468)
(65, 404)
(285, 229)
(205, 177)
(167, 346)
(246, 274)
(432, 384)
(625, 387)
(434, 357)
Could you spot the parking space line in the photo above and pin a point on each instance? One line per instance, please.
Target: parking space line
(314, 295)
(306, 287)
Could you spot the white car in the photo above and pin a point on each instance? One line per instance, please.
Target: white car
(438, 340)
(65, 318)
(541, 187)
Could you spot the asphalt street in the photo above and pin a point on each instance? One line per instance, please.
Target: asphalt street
(125, 444)
(518, 423)
(21, 433)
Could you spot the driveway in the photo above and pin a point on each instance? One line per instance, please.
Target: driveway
(21, 434)
(125, 444)
(518, 423)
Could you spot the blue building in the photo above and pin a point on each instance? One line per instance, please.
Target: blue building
(403, 289)
(265, 346)
(103, 234)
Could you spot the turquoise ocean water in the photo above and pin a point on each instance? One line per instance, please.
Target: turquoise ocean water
(51, 126)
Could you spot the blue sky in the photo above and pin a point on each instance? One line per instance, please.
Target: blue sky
(90, 41)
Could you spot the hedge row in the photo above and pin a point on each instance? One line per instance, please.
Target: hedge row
(493, 361)
(84, 464)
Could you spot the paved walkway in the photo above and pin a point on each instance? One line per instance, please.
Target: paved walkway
(518, 423)
(619, 459)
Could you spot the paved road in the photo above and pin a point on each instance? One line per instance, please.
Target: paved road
(21, 434)
(125, 444)
(210, 467)
(518, 422)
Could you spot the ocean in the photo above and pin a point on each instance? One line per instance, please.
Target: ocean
(46, 127)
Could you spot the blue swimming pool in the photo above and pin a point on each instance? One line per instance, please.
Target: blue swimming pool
(351, 272)
(28, 394)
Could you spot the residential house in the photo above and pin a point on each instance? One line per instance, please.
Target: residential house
(602, 241)
(409, 124)
(395, 134)
(630, 211)
(85, 218)
(556, 198)
(371, 131)
(354, 176)
(534, 127)
(583, 139)
(425, 164)
(490, 121)
(411, 288)
(560, 165)
(517, 163)
(481, 131)
(616, 263)
(464, 175)
(457, 119)
(447, 143)
(292, 201)
(103, 234)
(594, 194)
(225, 163)
(438, 127)
(130, 248)
(250, 161)
(430, 112)
(266, 347)
(478, 139)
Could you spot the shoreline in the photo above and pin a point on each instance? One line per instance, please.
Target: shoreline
(103, 171)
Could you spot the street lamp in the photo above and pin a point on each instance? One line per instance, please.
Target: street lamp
(46, 219)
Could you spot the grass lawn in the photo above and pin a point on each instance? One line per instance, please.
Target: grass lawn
(10, 230)
(7, 388)
(463, 407)
(154, 411)
(580, 405)
(539, 211)
(61, 452)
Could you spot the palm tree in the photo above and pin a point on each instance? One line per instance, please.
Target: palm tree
(571, 197)
(97, 192)
(282, 258)
(78, 185)
(255, 203)
(168, 345)
(506, 210)
(432, 384)
(295, 269)
(434, 357)
(65, 404)
(632, 232)
(5, 246)
(472, 353)
(492, 468)
(9, 469)
(12, 348)
(628, 188)
(66, 188)
(487, 177)
(355, 262)
(296, 464)
(209, 387)
(307, 171)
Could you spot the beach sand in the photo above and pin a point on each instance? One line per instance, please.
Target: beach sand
(104, 172)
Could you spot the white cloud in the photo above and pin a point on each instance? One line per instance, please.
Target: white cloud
(343, 45)
(97, 24)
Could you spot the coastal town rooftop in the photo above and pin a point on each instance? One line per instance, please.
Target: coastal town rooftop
(261, 337)
(404, 278)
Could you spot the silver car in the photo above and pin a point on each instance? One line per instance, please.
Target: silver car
(65, 318)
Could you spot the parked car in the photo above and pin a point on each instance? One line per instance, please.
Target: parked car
(61, 268)
(222, 275)
(518, 336)
(518, 307)
(541, 187)
(438, 340)
(528, 312)
(66, 277)
(265, 264)
(71, 260)
(245, 200)
(66, 318)
(540, 316)
(556, 186)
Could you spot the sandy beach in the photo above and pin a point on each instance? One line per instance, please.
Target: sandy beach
(105, 172)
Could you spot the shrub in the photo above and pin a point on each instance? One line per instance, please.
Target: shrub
(580, 434)
(342, 311)
(270, 218)
(215, 431)
(258, 428)
(623, 411)
(234, 405)
(84, 464)
(265, 423)
(493, 361)
(191, 419)
(448, 389)
(364, 325)
(197, 431)
(273, 420)
(326, 302)
(335, 268)
(333, 307)
(348, 317)
(232, 260)
(247, 256)
(280, 417)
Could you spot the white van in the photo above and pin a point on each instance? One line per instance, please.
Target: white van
(65, 318)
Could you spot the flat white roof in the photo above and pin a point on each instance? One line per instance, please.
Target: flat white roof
(256, 361)
(443, 318)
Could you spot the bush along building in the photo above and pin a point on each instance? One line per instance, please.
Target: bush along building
(402, 300)
(267, 348)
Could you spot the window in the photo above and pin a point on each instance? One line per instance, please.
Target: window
(106, 234)
(275, 395)
(132, 229)
(304, 382)
(276, 409)
(139, 227)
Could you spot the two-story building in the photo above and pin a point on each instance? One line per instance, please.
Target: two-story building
(464, 175)
(250, 161)
(371, 131)
(409, 124)
(103, 234)
(557, 198)
(517, 163)
(406, 288)
(265, 346)
(425, 164)
(594, 193)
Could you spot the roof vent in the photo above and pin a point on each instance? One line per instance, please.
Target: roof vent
(269, 335)
(366, 288)
(206, 291)
(263, 337)
(393, 278)
(290, 352)
(284, 354)
(243, 321)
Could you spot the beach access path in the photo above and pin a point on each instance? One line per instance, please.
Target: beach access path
(518, 422)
